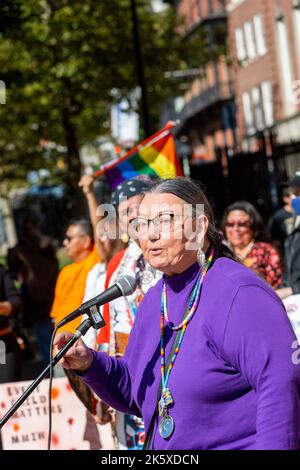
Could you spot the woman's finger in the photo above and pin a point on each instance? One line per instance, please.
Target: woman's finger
(61, 339)
(64, 363)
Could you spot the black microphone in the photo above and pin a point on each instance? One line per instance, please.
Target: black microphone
(126, 285)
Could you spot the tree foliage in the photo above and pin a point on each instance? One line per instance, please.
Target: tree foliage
(64, 63)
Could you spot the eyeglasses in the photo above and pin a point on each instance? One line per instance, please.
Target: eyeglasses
(69, 238)
(242, 225)
(164, 222)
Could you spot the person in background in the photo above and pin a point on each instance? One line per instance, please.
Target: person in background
(71, 282)
(34, 264)
(246, 236)
(278, 223)
(291, 275)
(98, 411)
(105, 247)
(10, 307)
(77, 283)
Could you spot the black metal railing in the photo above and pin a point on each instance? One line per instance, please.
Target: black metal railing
(205, 99)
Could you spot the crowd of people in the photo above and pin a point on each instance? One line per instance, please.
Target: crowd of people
(127, 397)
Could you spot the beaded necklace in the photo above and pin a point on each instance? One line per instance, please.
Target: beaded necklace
(166, 426)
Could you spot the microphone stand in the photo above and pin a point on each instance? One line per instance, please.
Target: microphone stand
(93, 320)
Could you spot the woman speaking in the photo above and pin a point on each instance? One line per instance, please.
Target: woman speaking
(210, 361)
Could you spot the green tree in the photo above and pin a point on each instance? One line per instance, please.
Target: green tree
(64, 63)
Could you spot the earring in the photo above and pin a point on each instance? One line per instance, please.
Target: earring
(124, 237)
(201, 258)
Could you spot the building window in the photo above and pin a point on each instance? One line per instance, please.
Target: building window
(191, 14)
(210, 7)
(258, 112)
(250, 44)
(199, 9)
(240, 44)
(258, 108)
(248, 115)
(286, 67)
(250, 40)
(297, 29)
(267, 99)
(259, 34)
(232, 4)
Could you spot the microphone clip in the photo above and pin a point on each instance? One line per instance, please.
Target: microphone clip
(95, 317)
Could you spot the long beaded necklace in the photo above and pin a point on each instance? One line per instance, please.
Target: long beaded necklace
(167, 425)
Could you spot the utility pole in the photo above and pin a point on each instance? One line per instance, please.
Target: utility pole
(140, 69)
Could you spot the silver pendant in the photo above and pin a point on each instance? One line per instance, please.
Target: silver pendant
(166, 426)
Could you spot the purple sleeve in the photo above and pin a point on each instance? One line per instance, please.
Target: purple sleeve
(259, 342)
(110, 379)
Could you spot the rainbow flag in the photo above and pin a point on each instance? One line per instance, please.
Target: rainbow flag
(155, 156)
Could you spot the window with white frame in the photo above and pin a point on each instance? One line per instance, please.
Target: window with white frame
(296, 16)
(232, 4)
(240, 44)
(250, 39)
(248, 115)
(284, 47)
(259, 34)
(257, 107)
(250, 44)
(267, 99)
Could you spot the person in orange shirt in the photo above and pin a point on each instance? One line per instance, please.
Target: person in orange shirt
(71, 282)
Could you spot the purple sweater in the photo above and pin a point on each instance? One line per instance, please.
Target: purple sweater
(234, 383)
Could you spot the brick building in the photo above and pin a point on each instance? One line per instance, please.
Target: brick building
(264, 38)
(206, 110)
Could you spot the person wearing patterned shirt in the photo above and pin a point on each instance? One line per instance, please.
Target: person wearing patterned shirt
(246, 235)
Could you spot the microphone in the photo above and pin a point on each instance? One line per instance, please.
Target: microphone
(126, 285)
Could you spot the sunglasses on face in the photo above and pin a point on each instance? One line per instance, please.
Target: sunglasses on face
(70, 238)
(243, 225)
